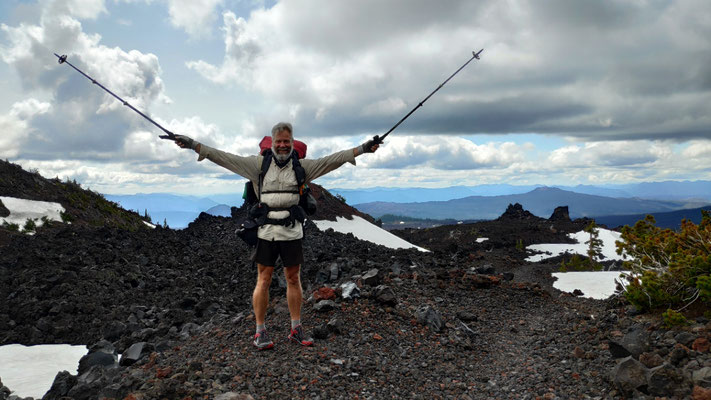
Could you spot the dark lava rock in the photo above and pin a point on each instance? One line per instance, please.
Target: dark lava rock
(97, 358)
(430, 317)
(636, 341)
(486, 269)
(516, 212)
(335, 325)
(384, 295)
(325, 305)
(135, 353)
(685, 338)
(664, 380)
(629, 375)
(321, 332)
(372, 277)
(467, 316)
(560, 214)
(617, 350)
(62, 384)
(4, 212)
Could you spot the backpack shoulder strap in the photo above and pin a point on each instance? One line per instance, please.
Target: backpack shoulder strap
(266, 162)
(298, 170)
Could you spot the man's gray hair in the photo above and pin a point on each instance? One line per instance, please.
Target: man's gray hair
(282, 126)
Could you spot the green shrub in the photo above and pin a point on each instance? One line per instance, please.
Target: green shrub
(668, 269)
(673, 318)
(66, 217)
(10, 227)
(30, 225)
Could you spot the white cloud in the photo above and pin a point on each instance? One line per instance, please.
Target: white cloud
(15, 125)
(84, 121)
(194, 16)
(554, 69)
(610, 154)
(445, 153)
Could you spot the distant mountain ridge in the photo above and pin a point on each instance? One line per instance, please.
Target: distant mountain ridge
(540, 201)
(671, 219)
(176, 210)
(666, 190)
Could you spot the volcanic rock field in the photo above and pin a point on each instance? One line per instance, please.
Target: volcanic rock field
(468, 320)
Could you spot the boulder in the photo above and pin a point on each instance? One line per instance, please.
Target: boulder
(427, 315)
(700, 393)
(4, 212)
(4, 391)
(651, 360)
(101, 358)
(334, 272)
(372, 277)
(324, 293)
(701, 345)
(486, 269)
(384, 295)
(325, 305)
(702, 377)
(135, 353)
(617, 350)
(685, 338)
(335, 326)
(664, 380)
(321, 332)
(629, 375)
(636, 341)
(63, 382)
(349, 290)
(234, 396)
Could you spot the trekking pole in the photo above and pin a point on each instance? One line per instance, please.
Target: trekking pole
(169, 135)
(379, 139)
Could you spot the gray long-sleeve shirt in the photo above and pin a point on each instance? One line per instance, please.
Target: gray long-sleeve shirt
(277, 180)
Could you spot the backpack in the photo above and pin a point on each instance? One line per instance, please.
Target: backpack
(258, 211)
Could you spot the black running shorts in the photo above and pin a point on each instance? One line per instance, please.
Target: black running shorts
(291, 252)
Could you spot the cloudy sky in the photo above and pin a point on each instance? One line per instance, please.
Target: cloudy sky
(566, 92)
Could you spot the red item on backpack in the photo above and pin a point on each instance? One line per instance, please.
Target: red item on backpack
(299, 147)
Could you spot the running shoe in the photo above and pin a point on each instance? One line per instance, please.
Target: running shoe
(297, 335)
(262, 341)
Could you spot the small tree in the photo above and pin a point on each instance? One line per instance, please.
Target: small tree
(146, 217)
(594, 246)
(165, 222)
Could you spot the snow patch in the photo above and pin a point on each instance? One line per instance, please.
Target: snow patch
(30, 370)
(595, 284)
(364, 230)
(608, 249)
(21, 210)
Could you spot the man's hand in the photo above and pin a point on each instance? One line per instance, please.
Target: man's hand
(369, 147)
(185, 142)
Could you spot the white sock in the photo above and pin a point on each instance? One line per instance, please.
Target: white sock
(261, 328)
(295, 323)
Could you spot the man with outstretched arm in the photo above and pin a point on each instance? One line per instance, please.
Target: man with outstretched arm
(279, 192)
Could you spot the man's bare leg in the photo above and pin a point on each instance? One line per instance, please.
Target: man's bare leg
(294, 297)
(260, 297)
(294, 294)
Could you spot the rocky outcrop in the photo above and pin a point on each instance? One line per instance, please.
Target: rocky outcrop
(560, 214)
(516, 212)
(4, 212)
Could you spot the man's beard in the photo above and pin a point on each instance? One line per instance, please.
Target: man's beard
(282, 157)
